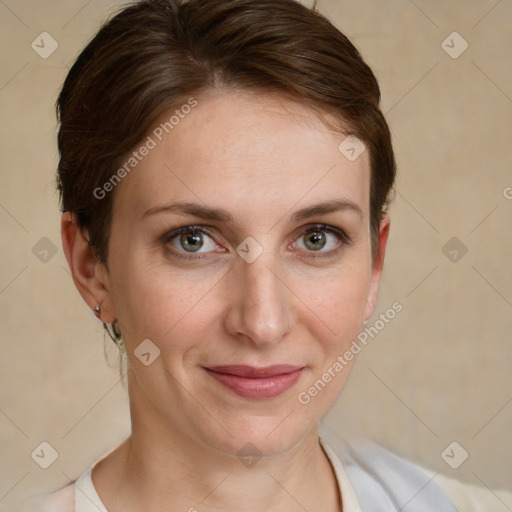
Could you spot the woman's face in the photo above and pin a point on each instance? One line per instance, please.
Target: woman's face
(271, 266)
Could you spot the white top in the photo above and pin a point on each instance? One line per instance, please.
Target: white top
(81, 496)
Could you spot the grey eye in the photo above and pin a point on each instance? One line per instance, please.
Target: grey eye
(193, 240)
(315, 240)
(318, 240)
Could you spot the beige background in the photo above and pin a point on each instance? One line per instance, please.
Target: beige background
(439, 372)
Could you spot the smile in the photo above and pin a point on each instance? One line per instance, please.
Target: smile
(258, 383)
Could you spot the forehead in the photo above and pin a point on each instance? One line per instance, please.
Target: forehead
(244, 151)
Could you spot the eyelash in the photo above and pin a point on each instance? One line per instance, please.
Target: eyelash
(344, 239)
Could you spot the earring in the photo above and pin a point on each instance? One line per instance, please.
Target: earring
(114, 332)
(97, 310)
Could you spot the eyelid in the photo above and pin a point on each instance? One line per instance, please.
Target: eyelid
(326, 227)
(344, 239)
(173, 233)
(166, 238)
(205, 229)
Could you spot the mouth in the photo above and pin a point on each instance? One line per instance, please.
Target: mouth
(259, 383)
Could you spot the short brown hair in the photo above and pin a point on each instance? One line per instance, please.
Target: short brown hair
(155, 54)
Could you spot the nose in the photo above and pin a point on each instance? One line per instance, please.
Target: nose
(259, 308)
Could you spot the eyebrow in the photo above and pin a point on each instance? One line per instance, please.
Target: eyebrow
(222, 215)
(195, 209)
(327, 207)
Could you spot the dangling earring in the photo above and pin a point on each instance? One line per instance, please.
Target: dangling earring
(114, 332)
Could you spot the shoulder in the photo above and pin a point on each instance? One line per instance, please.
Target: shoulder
(401, 481)
(473, 498)
(371, 466)
(62, 500)
(67, 499)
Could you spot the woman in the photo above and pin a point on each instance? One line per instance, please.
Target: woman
(224, 175)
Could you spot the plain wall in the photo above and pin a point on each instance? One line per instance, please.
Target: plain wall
(438, 372)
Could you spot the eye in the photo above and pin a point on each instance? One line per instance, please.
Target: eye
(321, 239)
(191, 239)
(188, 242)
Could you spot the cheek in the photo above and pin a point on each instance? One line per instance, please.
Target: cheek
(334, 317)
(337, 299)
(154, 302)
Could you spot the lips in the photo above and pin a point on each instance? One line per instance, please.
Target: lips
(251, 382)
(255, 373)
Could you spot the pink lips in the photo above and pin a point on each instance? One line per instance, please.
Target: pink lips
(251, 382)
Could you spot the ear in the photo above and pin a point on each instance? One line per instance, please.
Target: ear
(377, 267)
(90, 276)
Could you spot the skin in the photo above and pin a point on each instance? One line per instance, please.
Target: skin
(261, 158)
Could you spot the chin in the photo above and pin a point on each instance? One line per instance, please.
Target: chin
(259, 435)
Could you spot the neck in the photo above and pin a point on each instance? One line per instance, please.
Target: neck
(162, 468)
